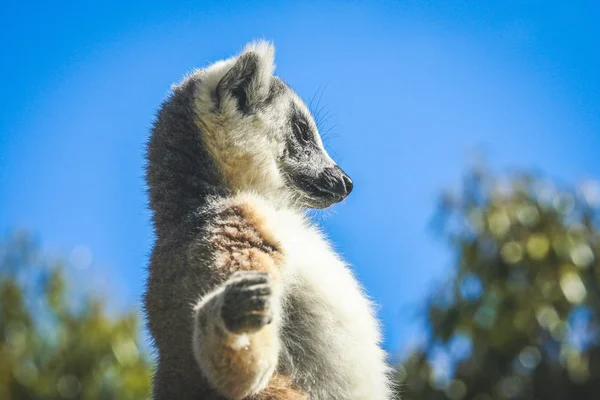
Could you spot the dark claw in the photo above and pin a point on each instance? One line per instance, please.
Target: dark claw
(247, 305)
(249, 322)
(246, 278)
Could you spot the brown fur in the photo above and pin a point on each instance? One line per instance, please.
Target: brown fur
(241, 241)
(280, 388)
(238, 366)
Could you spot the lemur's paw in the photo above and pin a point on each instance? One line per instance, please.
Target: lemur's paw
(247, 301)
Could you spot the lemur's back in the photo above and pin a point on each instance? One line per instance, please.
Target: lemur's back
(245, 298)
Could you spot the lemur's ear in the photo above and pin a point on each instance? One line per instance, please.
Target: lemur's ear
(248, 81)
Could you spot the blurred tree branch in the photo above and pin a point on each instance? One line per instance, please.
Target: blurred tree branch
(53, 349)
(520, 316)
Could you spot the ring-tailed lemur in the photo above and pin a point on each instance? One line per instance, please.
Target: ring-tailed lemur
(245, 297)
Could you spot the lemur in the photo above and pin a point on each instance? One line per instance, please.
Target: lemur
(246, 299)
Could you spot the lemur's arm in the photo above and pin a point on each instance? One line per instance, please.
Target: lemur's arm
(236, 338)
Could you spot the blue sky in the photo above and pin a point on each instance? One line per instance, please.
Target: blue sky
(412, 88)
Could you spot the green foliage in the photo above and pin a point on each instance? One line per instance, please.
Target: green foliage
(520, 318)
(56, 345)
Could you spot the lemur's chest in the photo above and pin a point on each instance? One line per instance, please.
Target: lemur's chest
(313, 269)
(330, 337)
(313, 276)
(329, 330)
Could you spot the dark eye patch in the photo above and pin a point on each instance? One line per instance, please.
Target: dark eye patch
(301, 129)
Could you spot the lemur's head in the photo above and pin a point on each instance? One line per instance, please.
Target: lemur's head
(261, 134)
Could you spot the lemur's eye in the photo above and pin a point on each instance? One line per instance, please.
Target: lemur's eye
(302, 131)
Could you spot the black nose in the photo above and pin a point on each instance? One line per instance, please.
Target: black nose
(336, 181)
(347, 182)
(330, 186)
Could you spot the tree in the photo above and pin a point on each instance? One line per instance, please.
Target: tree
(520, 316)
(51, 348)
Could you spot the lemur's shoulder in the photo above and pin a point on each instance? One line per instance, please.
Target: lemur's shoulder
(244, 232)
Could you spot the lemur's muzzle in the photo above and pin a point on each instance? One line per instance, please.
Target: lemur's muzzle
(332, 183)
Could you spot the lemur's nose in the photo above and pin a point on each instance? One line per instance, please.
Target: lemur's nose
(348, 183)
(343, 184)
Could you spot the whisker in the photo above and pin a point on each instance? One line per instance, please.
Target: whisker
(312, 99)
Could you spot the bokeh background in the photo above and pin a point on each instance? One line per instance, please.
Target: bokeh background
(440, 112)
